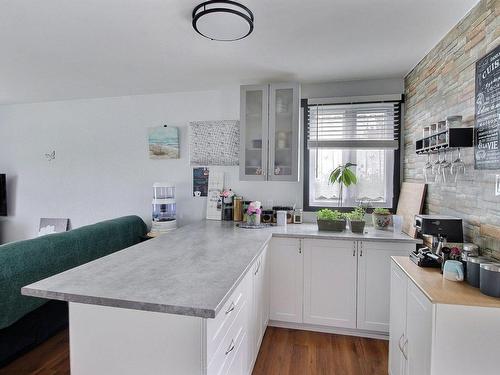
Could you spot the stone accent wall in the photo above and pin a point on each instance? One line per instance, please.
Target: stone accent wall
(442, 84)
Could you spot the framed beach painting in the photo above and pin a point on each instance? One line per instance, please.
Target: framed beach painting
(163, 142)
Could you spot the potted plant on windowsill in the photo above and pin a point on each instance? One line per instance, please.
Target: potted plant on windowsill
(344, 177)
(357, 220)
(381, 218)
(331, 220)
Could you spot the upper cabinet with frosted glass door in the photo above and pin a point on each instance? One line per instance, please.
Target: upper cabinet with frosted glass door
(270, 132)
(284, 110)
(254, 120)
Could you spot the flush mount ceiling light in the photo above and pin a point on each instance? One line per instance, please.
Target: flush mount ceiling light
(223, 20)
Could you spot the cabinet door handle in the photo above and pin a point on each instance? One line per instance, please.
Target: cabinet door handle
(231, 347)
(399, 343)
(361, 249)
(404, 350)
(231, 308)
(354, 249)
(300, 247)
(258, 268)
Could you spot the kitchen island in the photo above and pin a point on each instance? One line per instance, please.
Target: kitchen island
(184, 303)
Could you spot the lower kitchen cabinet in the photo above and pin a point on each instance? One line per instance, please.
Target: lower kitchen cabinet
(330, 283)
(435, 338)
(286, 280)
(399, 284)
(410, 340)
(260, 300)
(333, 283)
(234, 336)
(418, 341)
(374, 280)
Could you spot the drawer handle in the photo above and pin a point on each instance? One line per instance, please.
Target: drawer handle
(231, 308)
(231, 347)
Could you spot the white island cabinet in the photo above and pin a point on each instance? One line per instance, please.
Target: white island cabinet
(139, 342)
(334, 285)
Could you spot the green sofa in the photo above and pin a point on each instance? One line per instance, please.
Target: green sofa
(25, 262)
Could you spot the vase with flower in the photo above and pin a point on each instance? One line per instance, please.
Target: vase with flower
(253, 213)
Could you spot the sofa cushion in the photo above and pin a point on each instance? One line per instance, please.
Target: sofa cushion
(25, 262)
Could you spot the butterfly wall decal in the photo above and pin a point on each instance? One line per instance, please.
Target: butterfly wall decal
(51, 156)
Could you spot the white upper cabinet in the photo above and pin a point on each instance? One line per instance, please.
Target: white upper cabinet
(330, 283)
(269, 120)
(254, 122)
(283, 132)
(374, 280)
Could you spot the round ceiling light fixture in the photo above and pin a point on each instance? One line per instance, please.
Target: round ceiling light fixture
(223, 20)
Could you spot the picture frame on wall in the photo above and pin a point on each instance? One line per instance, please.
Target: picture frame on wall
(487, 111)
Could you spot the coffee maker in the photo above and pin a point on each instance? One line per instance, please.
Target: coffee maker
(442, 229)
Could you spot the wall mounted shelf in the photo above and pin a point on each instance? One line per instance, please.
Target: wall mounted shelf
(445, 139)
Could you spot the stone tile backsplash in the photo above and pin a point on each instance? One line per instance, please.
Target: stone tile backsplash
(441, 85)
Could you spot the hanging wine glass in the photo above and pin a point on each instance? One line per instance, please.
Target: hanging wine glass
(445, 166)
(436, 168)
(458, 166)
(428, 168)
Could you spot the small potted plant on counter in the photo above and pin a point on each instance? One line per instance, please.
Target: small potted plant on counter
(381, 218)
(331, 220)
(357, 220)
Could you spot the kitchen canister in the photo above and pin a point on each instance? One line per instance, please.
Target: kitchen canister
(281, 218)
(490, 279)
(472, 272)
(453, 270)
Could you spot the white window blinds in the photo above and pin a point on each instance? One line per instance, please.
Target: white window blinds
(360, 126)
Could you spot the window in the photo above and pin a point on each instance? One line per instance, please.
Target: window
(365, 134)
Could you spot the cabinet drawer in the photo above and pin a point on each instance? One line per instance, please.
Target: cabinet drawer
(223, 356)
(218, 327)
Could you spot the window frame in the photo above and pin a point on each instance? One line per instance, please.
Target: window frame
(397, 161)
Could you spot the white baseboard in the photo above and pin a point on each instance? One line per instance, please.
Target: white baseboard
(325, 329)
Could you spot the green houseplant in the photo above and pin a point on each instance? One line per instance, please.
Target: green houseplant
(357, 220)
(331, 220)
(381, 218)
(344, 177)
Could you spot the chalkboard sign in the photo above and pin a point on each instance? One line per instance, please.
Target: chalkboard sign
(487, 138)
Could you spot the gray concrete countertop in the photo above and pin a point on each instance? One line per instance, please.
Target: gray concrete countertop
(190, 271)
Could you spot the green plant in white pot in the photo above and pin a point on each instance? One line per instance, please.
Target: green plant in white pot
(357, 220)
(344, 177)
(331, 220)
(381, 218)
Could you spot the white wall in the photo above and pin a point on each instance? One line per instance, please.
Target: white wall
(102, 169)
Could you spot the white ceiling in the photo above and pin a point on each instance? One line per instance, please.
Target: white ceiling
(60, 49)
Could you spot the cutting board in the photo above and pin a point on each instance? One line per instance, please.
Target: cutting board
(491, 231)
(411, 203)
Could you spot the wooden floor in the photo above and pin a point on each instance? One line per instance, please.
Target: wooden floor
(293, 352)
(283, 351)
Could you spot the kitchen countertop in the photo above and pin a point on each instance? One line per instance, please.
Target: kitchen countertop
(439, 290)
(190, 271)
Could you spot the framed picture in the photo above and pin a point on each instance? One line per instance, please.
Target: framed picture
(51, 226)
(163, 142)
(487, 107)
(200, 182)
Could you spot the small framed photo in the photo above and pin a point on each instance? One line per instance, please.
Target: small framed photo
(497, 185)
